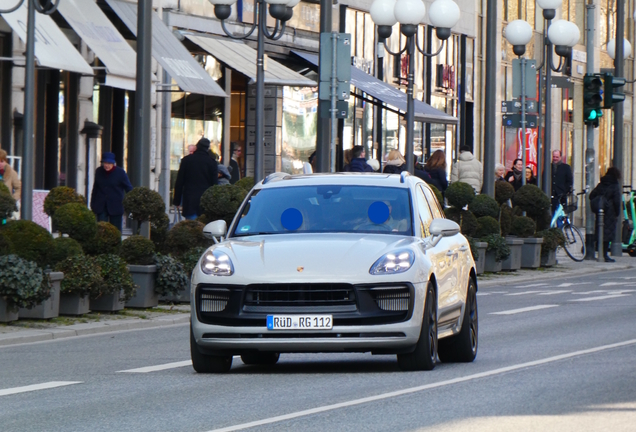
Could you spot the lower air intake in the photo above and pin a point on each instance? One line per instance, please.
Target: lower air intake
(214, 301)
(392, 299)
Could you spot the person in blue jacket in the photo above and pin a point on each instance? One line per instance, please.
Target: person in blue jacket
(110, 185)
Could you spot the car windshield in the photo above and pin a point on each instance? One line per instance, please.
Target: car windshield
(326, 208)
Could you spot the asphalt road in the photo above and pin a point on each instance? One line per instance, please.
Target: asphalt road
(553, 355)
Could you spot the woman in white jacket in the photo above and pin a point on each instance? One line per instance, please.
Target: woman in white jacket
(468, 169)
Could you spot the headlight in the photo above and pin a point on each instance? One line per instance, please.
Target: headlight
(217, 263)
(394, 262)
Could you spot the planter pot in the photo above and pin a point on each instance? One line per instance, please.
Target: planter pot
(74, 304)
(531, 252)
(108, 302)
(182, 297)
(144, 277)
(6, 313)
(480, 262)
(49, 308)
(550, 260)
(513, 262)
(490, 264)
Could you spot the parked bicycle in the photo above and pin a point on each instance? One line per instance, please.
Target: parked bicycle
(574, 240)
(629, 220)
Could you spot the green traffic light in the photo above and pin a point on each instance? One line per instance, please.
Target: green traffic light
(592, 115)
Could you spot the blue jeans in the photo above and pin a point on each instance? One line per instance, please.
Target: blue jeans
(191, 217)
(113, 219)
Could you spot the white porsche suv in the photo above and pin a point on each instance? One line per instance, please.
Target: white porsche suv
(335, 263)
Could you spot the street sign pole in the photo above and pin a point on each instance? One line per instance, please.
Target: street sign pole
(523, 119)
(617, 241)
(334, 98)
(589, 151)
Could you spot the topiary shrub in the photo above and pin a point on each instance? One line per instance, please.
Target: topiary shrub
(184, 236)
(4, 188)
(171, 276)
(159, 230)
(107, 240)
(64, 247)
(77, 221)
(246, 183)
(191, 258)
(137, 250)
(498, 244)
(473, 247)
(82, 275)
(552, 239)
(532, 200)
(6, 247)
(144, 204)
(504, 191)
(523, 227)
(483, 205)
(30, 241)
(22, 282)
(460, 194)
(438, 195)
(115, 277)
(487, 225)
(466, 220)
(543, 220)
(505, 219)
(7, 205)
(60, 195)
(222, 202)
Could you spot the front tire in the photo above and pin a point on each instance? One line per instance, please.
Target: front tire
(204, 363)
(462, 347)
(424, 356)
(260, 358)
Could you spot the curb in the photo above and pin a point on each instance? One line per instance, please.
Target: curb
(40, 335)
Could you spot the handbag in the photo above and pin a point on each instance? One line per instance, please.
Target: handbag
(177, 218)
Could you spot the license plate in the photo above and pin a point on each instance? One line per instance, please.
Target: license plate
(299, 322)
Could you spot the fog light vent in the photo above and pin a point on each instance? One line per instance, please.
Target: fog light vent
(392, 299)
(214, 301)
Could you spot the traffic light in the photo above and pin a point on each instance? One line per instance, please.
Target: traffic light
(593, 99)
(611, 84)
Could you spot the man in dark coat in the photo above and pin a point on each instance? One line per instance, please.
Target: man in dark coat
(358, 162)
(197, 173)
(562, 179)
(610, 196)
(110, 185)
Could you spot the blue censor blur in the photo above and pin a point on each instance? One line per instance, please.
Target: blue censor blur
(291, 219)
(378, 212)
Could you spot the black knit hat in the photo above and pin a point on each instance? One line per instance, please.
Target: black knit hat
(203, 144)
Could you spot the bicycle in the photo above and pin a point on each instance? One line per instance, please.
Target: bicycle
(574, 240)
(629, 220)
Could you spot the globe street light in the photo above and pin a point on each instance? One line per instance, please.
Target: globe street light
(611, 48)
(443, 15)
(282, 11)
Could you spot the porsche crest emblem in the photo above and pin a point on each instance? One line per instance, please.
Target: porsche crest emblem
(300, 269)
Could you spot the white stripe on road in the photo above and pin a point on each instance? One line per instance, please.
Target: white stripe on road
(34, 387)
(600, 298)
(555, 292)
(568, 284)
(158, 367)
(524, 293)
(411, 390)
(533, 285)
(526, 309)
(614, 283)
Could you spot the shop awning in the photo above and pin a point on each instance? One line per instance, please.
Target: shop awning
(242, 58)
(52, 47)
(388, 94)
(92, 25)
(170, 53)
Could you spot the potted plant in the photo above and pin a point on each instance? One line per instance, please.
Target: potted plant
(552, 239)
(22, 285)
(143, 205)
(222, 202)
(138, 252)
(535, 203)
(82, 275)
(116, 286)
(29, 241)
(520, 228)
(171, 280)
(496, 252)
(488, 231)
(107, 240)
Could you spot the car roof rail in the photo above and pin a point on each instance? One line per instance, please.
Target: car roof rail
(274, 176)
(403, 176)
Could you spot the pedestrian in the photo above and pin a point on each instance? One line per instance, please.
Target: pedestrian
(468, 169)
(191, 148)
(9, 177)
(224, 176)
(395, 163)
(109, 187)
(607, 196)
(436, 169)
(514, 176)
(562, 179)
(530, 177)
(358, 161)
(234, 164)
(346, 158)
(500, 171)
(309, 167)
(197, 173)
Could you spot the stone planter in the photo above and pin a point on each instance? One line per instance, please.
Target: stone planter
(74, 304)
(531, 252)
(108, 302)
(182, 297)
(480, 262)
(513, 262)
(6, 313)
(49, 308)
(550, 260)
(144, 277)
(490, 264)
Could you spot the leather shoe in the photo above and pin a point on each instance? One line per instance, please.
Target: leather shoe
(608, 259)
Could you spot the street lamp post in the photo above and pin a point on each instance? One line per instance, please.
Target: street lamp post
(282, 11)
(443, 15)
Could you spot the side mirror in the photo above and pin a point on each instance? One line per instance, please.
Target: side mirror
(215, 229)
(443, 228)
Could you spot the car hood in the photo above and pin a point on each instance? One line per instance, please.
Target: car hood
(297, 258)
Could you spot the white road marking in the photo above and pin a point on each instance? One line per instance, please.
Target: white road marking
(499, 292)
(158, 367)
(34, 387)
(614, 283)
(555, 292)
(533, 285)
(568, 284)
(591, 292)
(481, 294)
(526, 309)
(411, 390)
(524, 293)
(600, 298)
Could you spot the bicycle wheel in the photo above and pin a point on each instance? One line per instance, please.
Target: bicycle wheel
(574, 242)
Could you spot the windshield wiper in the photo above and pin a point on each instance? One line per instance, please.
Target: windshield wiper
(254, 233)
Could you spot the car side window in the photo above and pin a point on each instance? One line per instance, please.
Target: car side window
(424, 212)
(432, 201)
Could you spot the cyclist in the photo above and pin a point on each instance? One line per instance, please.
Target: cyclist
(562, 179)
(607, 196)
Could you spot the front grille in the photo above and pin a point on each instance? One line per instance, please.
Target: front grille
(300, 295)
(392, 298)
(214, 300)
